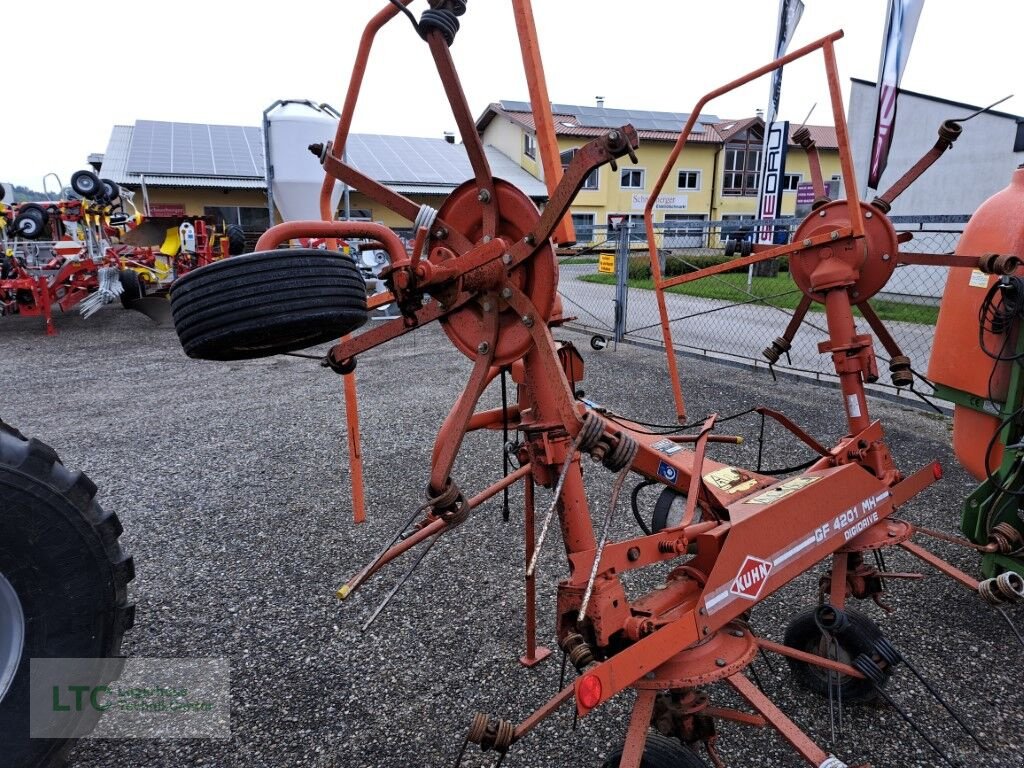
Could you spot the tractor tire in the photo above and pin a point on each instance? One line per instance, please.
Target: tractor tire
(661, 752)
(31, 221)
(236, 240)
(87, 184)
(132, 287)
(111, 191)
(804, 635)
(63, 583)
(669, 510)
(267, 303)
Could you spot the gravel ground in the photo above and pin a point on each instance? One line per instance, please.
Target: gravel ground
(231, 482)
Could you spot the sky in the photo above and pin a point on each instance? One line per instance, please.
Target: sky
(86, 67)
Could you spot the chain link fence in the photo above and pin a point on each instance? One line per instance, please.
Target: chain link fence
(606, 285)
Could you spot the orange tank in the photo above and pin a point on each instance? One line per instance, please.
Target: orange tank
(957, 361)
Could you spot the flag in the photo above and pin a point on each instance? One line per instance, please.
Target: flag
(776, 135)
(900, 27)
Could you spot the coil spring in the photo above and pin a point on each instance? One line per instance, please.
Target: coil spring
(577, 650)
(1007, 538)
(622, 455)
(591, 433)
(496, 734)
(899, 368)
(450, 505)
(1007, 587)
(441, 20)
(777, 348)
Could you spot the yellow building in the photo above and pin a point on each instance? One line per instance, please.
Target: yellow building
(716, 177)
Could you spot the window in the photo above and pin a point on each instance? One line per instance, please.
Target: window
(791, 182)
(529, 145)
(632, 178)
(592, 181)
(741, 174)
(683, 231)
(583, 223)
(250, 219)
(689, 180)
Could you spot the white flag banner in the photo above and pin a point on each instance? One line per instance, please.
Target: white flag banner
(776, 135)
(900, 27)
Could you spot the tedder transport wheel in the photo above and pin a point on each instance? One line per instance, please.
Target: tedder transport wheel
(30, 222)
(111, 190)
(236, 240)
(804, 635)
(132, 287)
(267, 303)
(87, 184)
(63, 583)
(661, 752)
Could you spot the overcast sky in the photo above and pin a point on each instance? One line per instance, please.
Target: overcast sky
(76, 69)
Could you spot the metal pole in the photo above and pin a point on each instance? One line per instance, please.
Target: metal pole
(622, 274)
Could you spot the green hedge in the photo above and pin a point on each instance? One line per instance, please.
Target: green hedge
(640, 266)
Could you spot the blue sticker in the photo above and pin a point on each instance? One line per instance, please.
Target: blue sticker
(668, 472)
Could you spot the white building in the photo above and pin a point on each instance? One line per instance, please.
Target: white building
(978, 165)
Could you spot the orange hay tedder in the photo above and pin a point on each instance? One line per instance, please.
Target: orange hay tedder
(483, 266)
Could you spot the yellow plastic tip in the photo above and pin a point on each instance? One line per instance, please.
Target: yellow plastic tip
(739, 440)
(343, 592)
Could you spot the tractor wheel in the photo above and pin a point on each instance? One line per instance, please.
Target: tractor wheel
(804, 635)
(63, 583)
(132, 287)
(266, 303)
(87, 184)
(669, 510)
(31, 221)
(111, 190)
(661, 752)
(236, 240)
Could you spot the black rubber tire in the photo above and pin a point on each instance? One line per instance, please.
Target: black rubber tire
(266, 303)
(87, 184)
(730, 248)
(60, 552)
(664, 516)
(111, 191)
(132, 287)
(31, 221)
(236, 240)
(661, 752)
(598, 342)
(804, 635)
(746, 247)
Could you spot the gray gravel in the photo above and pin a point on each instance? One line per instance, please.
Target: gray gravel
(231, 481)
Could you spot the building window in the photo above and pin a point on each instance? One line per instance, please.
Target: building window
(593, 179)
(632, 178)
(689, 180)
(583, 223)
(529, 145)
(250, 219)
(792, 182)
(741, 174)
(684, 230)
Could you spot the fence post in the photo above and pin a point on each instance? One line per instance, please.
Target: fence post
(622, 276)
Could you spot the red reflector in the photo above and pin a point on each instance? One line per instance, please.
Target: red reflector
(589, 691)
(937, 470)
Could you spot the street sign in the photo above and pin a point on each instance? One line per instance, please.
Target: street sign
(606, 264)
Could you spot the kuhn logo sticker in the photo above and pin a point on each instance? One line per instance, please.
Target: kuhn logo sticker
(668, 472)
(752, 577)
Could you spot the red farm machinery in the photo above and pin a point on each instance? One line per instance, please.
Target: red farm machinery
(89, 246)
(482, 265)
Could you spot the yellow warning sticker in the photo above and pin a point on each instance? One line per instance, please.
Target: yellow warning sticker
(730, 480)
(606, 263)
(978, 279)
(788, 487)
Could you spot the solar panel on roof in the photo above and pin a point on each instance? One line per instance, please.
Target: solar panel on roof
(196, 149)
